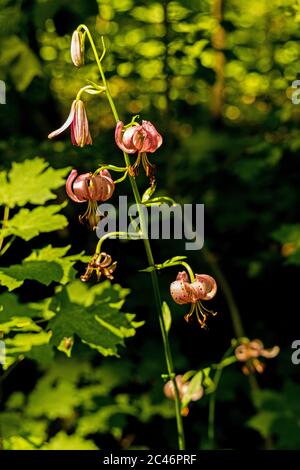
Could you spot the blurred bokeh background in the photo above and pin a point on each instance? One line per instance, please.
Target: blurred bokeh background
(215, 77)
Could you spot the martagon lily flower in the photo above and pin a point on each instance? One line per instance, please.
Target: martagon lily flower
(78, 122)
(92, 189)
(184, 292)
(141, 138)
(250, 351)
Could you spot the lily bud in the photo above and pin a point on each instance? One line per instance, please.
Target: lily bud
(78, 122)
(77, 48)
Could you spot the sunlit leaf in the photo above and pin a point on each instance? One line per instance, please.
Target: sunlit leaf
(101, 325)
(27, 224)
(31, 181)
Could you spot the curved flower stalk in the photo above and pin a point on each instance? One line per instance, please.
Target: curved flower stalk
(204, 287)
(92, 189)
(249, 352)
(78, 122)
(141, 138)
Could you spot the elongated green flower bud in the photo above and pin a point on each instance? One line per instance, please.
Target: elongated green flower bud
(77, 48)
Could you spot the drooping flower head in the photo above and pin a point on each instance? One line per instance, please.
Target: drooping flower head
(183, 390)
(92, 189)
(141, 138)
(138, 138)
(204, 287)
(77, 48)
(249, 352)
(78, 122)
(102, 265)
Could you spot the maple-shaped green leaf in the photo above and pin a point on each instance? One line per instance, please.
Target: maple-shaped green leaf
(43, 271)
(58, 255)
(13, 424)
(101, 325)
(46, 265)
(105, 292)
(9, 281)
(263, 422)
(11, 307)
(63, 441)
(54, 400)
(27, 224)
(21, 345)
(31, 181)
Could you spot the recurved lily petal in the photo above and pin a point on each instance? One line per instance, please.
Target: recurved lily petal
(255, 347)
(66, 124)
(87, 187)
(181, 292)
(101, 186)
(78, 122)
(80, 186)
(77, 191)
(183, 388)
(182, 276)
(154, 139)
(270, 353)
(204, 286)
(128, 137)
(138, 138)
(242, 352)
(119, 138)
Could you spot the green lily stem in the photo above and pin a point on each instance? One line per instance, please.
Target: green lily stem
(4, 222)
(125, 235)
(8, 245)
(179, 263)
(119, 169)
(119, 180)
(154, 278)
(213, 397)
(86, 88)
(189, 270)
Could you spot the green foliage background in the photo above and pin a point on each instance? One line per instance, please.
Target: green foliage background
(218, 87)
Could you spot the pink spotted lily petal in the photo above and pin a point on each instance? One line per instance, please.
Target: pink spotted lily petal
(66, 124)
(120, 138)
(180, 289)
(205, 287)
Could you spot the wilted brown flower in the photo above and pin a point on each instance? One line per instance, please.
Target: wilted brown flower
(102, 265)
